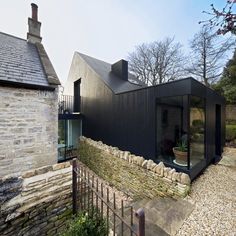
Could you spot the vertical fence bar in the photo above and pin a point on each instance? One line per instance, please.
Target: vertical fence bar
(114, 215)
(131, 220)
(85, 193)
(122, 215)
(78, 176)
(88, 187)
(141, 221)
(102, 199)
(108, 211)
(64, 99)
(85, 189)
(96, 194)
(69, 104)
(92, 193)
(82, 190)
(74, 186)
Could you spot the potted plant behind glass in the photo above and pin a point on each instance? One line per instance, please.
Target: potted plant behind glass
(181, 153)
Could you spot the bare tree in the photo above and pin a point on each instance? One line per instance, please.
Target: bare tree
(207, 53)
(157, 62)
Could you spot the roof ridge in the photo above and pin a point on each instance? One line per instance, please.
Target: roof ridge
(13, 36)
(83, 54)
(47, 65)
(109, 78)
(129, 73)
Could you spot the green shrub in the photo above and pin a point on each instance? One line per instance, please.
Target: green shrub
(230, 122)
(87, 225)
(230, 132)
(198, 123)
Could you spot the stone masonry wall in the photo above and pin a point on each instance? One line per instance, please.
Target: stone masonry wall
(36, 203)
(178, 183)
(28, 129)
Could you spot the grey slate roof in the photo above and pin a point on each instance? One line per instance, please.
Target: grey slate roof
(20, 62)
(116, 84)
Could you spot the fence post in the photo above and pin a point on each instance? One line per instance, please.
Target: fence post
(141, 221)
(74, 186)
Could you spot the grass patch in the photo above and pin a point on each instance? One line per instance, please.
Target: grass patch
(230, 132)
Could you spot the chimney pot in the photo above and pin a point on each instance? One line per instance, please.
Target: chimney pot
(33, 35)
(34, 11)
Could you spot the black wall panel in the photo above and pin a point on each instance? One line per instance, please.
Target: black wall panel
(127, 120)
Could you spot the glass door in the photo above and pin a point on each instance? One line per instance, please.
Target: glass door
(172, 130)
(62, 139)
(197, 130)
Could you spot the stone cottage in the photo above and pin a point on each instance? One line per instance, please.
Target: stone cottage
(28, 102)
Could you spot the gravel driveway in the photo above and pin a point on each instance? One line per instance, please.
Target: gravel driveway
(214, 196)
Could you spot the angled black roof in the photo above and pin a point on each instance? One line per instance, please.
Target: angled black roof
(20, 63)
(115, 83)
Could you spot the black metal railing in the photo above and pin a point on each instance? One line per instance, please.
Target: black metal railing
(65, 153)
(90, 193)
(66, 104)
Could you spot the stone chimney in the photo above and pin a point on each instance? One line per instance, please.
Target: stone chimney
(120, 68)
(33, 36)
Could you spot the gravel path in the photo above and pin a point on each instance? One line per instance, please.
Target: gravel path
(214, 196)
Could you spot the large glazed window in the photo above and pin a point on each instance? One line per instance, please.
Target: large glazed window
(197, 130)
(69, 132)
(172, 130)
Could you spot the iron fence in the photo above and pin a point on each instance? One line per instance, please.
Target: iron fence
(66, 104)
(90, 193)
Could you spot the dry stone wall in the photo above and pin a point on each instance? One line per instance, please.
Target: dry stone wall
(36, 203)
(179, 183)
(28, 129)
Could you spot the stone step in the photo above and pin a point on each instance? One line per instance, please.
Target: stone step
(152, 229)
(126, 217)
(161, 204)
(171, 218)
(126, 229)
(140, 203)
(162, 215)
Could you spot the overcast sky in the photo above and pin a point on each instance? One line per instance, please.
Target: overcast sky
(104, 29)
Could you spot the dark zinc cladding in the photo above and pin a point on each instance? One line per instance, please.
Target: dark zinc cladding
(181, 123)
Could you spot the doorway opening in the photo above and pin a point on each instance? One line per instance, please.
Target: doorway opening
(77, 95)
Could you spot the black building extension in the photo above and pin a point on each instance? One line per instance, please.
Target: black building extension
(149, 121)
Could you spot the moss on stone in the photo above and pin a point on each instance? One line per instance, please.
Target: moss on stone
(129, 178)
(67, 213)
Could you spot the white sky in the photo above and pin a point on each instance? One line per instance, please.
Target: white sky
(104, 29)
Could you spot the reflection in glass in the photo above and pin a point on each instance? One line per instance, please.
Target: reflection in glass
(180, 130)
(197, 129)
(68, 136)
(172, 127)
